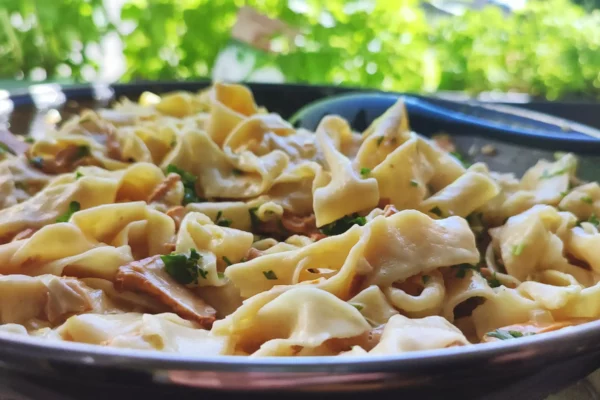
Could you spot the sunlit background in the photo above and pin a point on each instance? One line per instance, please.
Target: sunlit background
(546, 48)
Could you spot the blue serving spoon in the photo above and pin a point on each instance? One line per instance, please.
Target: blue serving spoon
(432, 115)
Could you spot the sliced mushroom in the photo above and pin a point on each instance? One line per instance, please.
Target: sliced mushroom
(149, 276)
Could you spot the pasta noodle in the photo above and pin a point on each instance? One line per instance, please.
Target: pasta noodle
(200, 223)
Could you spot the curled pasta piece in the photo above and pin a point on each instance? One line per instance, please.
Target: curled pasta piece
(467, 193)
(343, 191)
(230, 104)
(373, 305)
(428, 302)
(583, 201)
(402, 334)
(91, 244)
(298, 321)
(384, 251)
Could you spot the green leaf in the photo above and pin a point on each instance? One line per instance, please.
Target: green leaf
(364, 172)
(506, 335)
(189, 184)
(517, 250)
(587, 200)
(461, 269)
(414, 183)
(73, 208)
(270, 275)
(437, 211)
(184, 269)
(227, 261)
(343, 224)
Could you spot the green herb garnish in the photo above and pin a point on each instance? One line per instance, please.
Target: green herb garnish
(425, 279)
(73, 208)
(189, 184)
(594, 220)
(563, 194)
(357, 306)
(220, 275)
(227, 261)
(437, 211)
(78, 175)
(461, 158)
(29, 139)
(517, 250)
(587, 200)
(414, 183)
(505, 335)
(493, 281)
(270, 275)
(547, 175)
(343, 224)
(461, 269)
(5, 149)
(184, 269)
(379, 140)
(364, 172)
(82, 151)
(254, 220)
(37, 162)
(237, 172)
(226, 222)
(476, 223)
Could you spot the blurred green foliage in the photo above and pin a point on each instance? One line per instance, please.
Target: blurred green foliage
(550, 48)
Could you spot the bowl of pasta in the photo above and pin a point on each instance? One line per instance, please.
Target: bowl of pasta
(171, 238)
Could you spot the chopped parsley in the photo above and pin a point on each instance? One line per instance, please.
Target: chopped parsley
(594, 220)
(379, 140)
(436, 210)
(5, 149)
(227, 261)
(547, 175)
(343, 224)
(563, 194)
(82, 151)
(461, 269)
(73, 208)
(189, 184)
(460, 158)
(220, 275)
(270, 275)
(226, 222)
(78, 175)
(505, 335)
(587, 200)
(237, 172)
(476, 223)
(517, 250)
(37, 162)
(425, 279)
(29, 139)
(184, 269)
(364, 172)
(357, 306)
(254, 220)
(414, 183)
(493, 281)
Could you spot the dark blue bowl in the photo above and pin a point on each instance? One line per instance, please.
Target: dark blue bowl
(486, 120)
